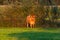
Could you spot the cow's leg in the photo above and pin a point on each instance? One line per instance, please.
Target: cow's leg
(27, 25)
(31, 25)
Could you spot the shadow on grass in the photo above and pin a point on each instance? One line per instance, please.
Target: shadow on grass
(36, 36)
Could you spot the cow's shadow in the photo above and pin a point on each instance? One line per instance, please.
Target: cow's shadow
(36, 36)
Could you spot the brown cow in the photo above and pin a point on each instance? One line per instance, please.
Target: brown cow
(30, 20)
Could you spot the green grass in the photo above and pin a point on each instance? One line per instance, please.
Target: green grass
(29, 33)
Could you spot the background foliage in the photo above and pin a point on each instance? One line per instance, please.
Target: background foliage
(13, 13)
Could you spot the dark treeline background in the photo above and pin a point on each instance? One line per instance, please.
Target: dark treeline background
(45, 2)
(13, 13)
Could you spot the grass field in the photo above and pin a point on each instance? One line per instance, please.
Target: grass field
(29, 33)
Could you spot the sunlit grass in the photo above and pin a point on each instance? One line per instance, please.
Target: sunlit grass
(5, 31)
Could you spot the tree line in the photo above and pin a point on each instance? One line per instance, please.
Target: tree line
(14, 13)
